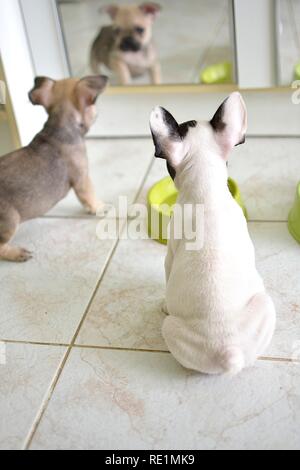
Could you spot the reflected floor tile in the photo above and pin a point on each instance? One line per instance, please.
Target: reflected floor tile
(126, 311)
(117, 168)
(44, 299)
(26, 372)
(136, 400)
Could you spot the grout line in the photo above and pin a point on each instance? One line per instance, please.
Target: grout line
(34, 343)
(128, 349)
(119, 137)
(45, 401)
(273, 136)
(279, 359)
(163, 351)
(116, 348)
(254, 221)
(70, 217)
(148, 137)
(41, 412)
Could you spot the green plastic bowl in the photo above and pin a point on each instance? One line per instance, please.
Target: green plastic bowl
(217, 73)
(294, 217)
(161, 199)
(297, 72)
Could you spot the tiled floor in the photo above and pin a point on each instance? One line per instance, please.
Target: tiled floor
(82, 361)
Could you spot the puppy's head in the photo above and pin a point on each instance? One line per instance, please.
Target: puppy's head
(133, 24)
(196, 146)
(71, 101)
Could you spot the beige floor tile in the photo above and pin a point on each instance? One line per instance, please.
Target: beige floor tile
(117, 168)
(267, 171)
(126, 311)
(135, 400)
(44, 299)
(25, 379)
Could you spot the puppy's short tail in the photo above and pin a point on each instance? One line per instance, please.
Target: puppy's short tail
(233, 360)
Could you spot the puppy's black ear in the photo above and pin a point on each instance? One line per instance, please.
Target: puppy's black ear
(167, 138)
(89, 88)
(160, 153)
(42, 92)
(151, 8)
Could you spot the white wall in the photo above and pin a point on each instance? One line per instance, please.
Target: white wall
(45, 38)
(18, 68)
(270, 113)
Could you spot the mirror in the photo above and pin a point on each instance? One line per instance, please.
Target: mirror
(163, 42)
(288, 28)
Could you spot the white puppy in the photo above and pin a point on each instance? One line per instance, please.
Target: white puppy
(220, 317)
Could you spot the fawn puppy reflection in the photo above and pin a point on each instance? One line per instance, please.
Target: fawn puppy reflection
(220, 316)
(126, 46)
(34, 179)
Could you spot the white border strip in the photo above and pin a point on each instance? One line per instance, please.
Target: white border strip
(19, 70)
(45, 38)
(256, 43)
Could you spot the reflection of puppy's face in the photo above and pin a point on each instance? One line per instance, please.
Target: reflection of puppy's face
(133, 25)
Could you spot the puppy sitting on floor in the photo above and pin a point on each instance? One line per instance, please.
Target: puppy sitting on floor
(35, 178)
(126, 46)
(220, 316)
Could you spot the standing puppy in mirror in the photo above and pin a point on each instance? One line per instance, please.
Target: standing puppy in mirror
(35, 178)
(220, 316)
(126, 47)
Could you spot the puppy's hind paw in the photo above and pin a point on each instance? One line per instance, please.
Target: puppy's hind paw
(14, 254)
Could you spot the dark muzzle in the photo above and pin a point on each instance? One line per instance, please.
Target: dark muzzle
(129, 44)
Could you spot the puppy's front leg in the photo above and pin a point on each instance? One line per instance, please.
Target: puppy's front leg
(86, 194)
(155, 73)
(122, 71)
